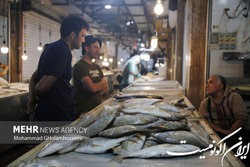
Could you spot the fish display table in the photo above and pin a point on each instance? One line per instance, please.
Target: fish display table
(75, 159)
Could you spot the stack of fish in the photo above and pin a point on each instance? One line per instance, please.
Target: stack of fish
(139, 127)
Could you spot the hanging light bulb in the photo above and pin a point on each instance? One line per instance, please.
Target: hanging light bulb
(110, 60)
(105, 59)
(158, 9)
(4, 48)
(93, 60)
(40, 48)
(154, 42)
(24, 56)
(101, 57)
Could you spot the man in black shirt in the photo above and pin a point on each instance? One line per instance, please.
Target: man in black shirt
(88, 77)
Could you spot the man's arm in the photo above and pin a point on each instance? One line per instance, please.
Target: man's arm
(44, 85)
(88, 84)
(5, 69)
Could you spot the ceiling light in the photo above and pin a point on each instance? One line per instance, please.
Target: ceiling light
(121, 59)
(119, 63)
(131, 22)
(142, 45)
(158, 9)
(4, 48)
(40, 48)
(145, 56)
(107, 6)
(105, 59)
(93, 60)
(128, 23)
(101, 57)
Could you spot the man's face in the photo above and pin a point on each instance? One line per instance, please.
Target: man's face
(213, 85)
(93, 50)
(78, 40)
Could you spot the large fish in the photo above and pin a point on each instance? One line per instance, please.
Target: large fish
(139, 119)
(121, 131)
(131, 145)
(154, 111)
(175, 137)
(99, 144)
(55, 145)
(104, 120)
(168, 125)
(70, 147)
(139, 101)
(167, 107)
(161, 150)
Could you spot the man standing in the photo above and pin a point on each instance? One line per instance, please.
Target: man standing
(88, 77)
(55, 71)
(223, 110)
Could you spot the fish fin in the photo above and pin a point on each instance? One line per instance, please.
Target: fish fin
(118, 159)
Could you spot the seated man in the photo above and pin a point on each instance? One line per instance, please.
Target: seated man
(223, 110)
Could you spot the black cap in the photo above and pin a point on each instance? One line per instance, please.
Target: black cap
(89, 39)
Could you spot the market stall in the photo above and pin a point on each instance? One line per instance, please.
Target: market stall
(203, 157)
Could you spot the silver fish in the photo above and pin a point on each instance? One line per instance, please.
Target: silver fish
(56, 145)
(99, 144)
(169, 125)
(105, 119)
(139, 119)
(167, 107)
(121, 131)
(139, 101)
(175, 137)
(71, 147)
(154, 111)
(131, 145)
(149, 143)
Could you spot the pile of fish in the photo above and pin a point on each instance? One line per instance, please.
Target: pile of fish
(137, 127)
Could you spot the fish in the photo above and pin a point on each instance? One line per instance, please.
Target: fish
(153, 111)
(71, 147)
(149, 143)
(99, 145)
(169, 125)
(167, 107)
(104, 120)
(139, 101)
(161, 150)
(87, 118)
(131, 145)
(175, 137)
(121, 131)
(139, 119)
(55, 145)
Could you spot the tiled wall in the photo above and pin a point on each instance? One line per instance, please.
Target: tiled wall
(220, 23)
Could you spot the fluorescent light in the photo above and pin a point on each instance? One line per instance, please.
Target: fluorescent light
(107, 6)
(158, 9)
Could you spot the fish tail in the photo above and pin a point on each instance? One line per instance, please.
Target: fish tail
(118, 159)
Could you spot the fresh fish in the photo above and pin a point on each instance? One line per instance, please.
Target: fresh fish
(161, 150)
(139, 101)
(121, 131)
(105, 119)
(175, 137)
(149, 143)
(167, 107)
(169, 125)
(99, 144)
(56, 145)
(153, 111)
(131, 145)
(139, 119)
(71, 147)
